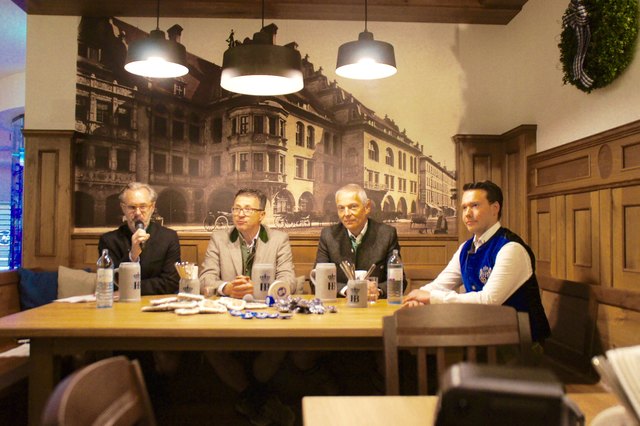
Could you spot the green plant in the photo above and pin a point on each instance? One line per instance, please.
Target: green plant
(614, 29)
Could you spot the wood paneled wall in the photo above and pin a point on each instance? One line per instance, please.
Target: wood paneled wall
(423, 257)
(503, 160)
(584, 199)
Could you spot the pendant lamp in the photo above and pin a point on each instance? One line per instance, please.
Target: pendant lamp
(155, 56)
(366, 58)
(259, 67)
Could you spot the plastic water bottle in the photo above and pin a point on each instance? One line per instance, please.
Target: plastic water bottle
(104, 281)
(394, 279)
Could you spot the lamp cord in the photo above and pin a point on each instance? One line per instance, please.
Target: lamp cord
(158, 15)
(365, 15)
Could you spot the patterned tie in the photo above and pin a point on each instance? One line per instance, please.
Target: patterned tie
(354, 243)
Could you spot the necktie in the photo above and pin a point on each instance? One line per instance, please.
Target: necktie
(354, 243)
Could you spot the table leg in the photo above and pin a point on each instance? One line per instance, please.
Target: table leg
(42, 376)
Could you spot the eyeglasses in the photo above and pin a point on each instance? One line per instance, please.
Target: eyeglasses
(247, 211)
(142, 207)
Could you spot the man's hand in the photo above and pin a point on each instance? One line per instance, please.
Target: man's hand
(417, 298)
(238, 287)
(137, 239)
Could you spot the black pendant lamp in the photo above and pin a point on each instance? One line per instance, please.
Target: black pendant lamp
(261, 68)
(366, 58)
(155, 56)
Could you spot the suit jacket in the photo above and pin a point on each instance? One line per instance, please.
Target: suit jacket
(376, 247)
(157, 260)
(223, 259)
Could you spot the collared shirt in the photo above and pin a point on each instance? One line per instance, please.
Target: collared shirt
(356, 240)
(511, 270)
(248, 251)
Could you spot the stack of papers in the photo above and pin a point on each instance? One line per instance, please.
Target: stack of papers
(620, 372)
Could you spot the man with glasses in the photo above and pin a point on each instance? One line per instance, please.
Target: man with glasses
(139, 240)
(226, 271)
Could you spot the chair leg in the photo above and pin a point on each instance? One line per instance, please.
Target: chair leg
(421, 359)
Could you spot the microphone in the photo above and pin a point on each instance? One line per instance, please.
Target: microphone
(140, 225)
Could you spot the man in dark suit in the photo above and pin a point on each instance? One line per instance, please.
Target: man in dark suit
(358, 239)
(138, 240)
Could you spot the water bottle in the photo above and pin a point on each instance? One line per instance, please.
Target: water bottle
(394, 279)
(104, 281)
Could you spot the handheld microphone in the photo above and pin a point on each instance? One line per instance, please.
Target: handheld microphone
(140, 225)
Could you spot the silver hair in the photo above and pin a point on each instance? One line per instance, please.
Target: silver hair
(353, 187)
(134, 186)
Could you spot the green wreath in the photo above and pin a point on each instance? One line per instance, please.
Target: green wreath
(613, 27)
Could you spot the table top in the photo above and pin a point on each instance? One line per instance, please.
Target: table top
(408, 410)
(71, 320)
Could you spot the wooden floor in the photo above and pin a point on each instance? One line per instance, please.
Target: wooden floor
(196, 396)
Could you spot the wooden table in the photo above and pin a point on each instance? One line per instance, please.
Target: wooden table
(407, 410)
(65, 328)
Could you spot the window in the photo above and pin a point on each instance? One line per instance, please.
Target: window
(400, 160)
(233, 163)
(244, 160)
(281, 165)
(392, 182)
(299, 168)
(273, 126)
(101, 155)
(215, 166)
(334, 148)
(404, 161)
(273, 166)
(258, 162)
(326, 141)
(234, 124)
(194, 167)
(299, 134)
(311, 137)
(177, 165)
(123, 157)
(310, 165)
(258, 124)
(388, 159)
(194, 132)
(411, 164)
(283, 128)
(373, 151)
(244, 124)
(178, 89)
(159, 163)
(177, 131)
(160, 126)
(123, 117)
(103, 112)
(82, 108)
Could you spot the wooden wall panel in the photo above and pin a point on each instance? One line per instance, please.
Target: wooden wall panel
(423, 257)
(590, 190)
(582, 236)
(626, 241)
(47, 199)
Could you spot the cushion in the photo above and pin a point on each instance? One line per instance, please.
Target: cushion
(75, 282)
(37, 288)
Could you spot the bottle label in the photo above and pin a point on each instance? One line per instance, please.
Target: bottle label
(394, 274)
(105, 275)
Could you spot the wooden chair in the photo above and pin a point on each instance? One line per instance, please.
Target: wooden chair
(108, 392)
(434, 328)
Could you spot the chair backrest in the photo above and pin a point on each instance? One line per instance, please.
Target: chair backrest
(434, 328)
(108, 392)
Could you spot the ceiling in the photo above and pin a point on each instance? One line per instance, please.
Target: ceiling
(497, 12)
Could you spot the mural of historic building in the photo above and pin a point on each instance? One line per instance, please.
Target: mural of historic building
(197, 144)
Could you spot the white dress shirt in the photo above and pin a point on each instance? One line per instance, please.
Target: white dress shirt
(511, 270)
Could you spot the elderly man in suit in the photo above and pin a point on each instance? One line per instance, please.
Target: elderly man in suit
(226, 271)
(139, 240)
(358, 239)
